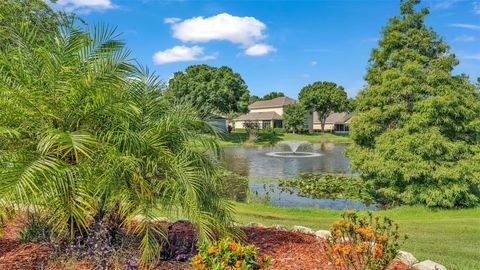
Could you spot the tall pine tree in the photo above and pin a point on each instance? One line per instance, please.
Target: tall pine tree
(417, 129)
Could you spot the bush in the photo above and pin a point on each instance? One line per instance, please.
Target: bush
(279, 130)
(227, 254)
(363, 242)
(36, 230)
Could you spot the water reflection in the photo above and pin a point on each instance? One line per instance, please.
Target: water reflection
(254, 163)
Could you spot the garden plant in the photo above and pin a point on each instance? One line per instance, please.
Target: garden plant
(364, 242)
(229, 255)
(85, 132)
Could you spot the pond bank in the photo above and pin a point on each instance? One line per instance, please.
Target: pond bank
(241, 138)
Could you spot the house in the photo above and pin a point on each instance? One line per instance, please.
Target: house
(267, 112)
(335, 122)
(218, 121)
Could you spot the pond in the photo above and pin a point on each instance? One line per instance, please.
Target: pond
(263, 169)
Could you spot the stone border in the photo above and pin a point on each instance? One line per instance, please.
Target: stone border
(403, 256)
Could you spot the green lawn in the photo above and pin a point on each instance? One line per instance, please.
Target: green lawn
(239, 138)
(449, 237)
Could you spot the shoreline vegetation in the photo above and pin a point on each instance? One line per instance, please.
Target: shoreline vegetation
(240, 138)
(447, 236)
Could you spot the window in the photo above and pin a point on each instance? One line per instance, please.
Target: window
(266, 123)
(277, 124)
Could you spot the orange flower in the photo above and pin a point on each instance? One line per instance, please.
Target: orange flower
(359, 249)
(339, 261)
(233, 246)
(238, 264)
(228, 268)
(197, 259)
(349, 212)
(337, 247)
(347, 249)
(377, 251)
(212, 250)
(370, 235)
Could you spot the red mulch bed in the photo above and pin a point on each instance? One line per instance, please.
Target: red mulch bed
(288, 250)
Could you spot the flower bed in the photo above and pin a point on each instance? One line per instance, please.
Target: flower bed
(287, 249)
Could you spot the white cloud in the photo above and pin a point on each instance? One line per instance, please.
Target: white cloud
(248, 32)
(465, 38)
(313, 63)
(181, 54)
(466, 26)
(444, 4)
(476, 8)
(239, 30)
(472, 57)
(85, 5)
(171, 20)
(259, 49)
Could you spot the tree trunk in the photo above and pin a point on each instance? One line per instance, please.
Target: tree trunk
(322, 122)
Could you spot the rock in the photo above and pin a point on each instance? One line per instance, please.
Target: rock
(255, 225)
(406, 258)
(302, 229)
(428, 265)
(279, 227)
(344, 239)
(323, 234)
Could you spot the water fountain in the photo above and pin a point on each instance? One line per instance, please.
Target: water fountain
(293, 153)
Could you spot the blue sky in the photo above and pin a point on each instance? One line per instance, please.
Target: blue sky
(274, 45)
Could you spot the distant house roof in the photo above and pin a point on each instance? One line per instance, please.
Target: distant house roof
(259, 116)
(334, 118)
(276, 102)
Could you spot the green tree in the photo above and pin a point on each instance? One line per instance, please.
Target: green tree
(294, 116)
(416, 133)
(273, 95)
(253, 99)
(210, 89)
(82, 134)
(251, 127)
(323, 98)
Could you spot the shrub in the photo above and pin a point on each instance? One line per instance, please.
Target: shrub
(36, 230)
(227, 254)
(279, 130)
(251, 127)
(233, 185)
(363, 242)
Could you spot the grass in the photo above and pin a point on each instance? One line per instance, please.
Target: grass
(241, 138)
(449, 237)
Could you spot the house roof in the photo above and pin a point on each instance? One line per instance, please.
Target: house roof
(276, 102)
(334, 118)
(259, 116)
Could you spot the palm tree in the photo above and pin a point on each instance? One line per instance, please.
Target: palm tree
(83, 131)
